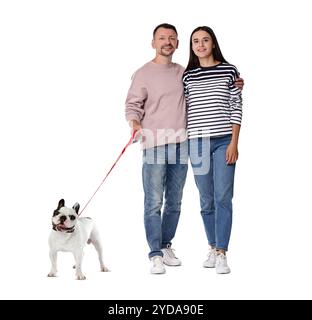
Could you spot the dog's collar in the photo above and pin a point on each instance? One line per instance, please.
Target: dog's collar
(55, 227)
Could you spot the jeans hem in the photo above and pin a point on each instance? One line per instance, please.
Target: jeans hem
(220, 248)
(154, 254)
(166, 245)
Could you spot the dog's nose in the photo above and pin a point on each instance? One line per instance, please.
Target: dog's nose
(62, 219)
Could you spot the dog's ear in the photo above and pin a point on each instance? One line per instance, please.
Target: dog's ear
(61, 204)
(76, 207)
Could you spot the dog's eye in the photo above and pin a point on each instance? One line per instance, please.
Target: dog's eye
(55, 213)
(72, 218)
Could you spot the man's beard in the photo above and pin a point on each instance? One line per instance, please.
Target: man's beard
(164, 53)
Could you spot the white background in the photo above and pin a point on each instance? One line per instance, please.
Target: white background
(65, 69)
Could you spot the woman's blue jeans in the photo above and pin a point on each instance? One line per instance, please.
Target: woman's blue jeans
(215, 181)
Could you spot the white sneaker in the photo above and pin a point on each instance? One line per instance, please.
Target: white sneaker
(158, 265)
(169, 257)
(221, 264)
(211, 260)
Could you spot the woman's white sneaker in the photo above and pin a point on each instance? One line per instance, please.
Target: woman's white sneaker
(157, 265)
(211, 260)
(221, 264)
(169, 257)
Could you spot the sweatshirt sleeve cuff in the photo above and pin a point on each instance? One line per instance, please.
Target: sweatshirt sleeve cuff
(133, 117)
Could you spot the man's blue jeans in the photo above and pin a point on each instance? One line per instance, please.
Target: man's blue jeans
(215, 182)
(164, 173)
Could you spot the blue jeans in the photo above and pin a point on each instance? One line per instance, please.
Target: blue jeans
(215, 184)
(164, 173)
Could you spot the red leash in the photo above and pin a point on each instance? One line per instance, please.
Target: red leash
(122, 152)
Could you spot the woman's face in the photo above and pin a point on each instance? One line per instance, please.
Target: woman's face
(202, 44)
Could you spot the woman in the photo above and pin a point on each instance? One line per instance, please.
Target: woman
(214, 111)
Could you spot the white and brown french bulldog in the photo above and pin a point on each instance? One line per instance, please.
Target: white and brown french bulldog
(71, 233)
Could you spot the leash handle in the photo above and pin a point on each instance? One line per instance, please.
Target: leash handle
(131, 141)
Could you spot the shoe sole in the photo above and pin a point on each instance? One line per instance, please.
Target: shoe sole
(162, 272)
(225, 272)
(172, 265)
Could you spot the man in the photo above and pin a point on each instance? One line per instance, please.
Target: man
(155, 103)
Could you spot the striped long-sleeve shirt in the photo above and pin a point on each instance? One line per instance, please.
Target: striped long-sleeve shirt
(213, 102)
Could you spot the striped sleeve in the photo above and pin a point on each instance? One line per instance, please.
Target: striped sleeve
(186, 93)
(235, 100)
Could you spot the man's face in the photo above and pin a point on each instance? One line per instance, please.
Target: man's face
(165, 42)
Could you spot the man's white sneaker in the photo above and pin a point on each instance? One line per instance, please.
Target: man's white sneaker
(221, 264)
(158, 265)
(169, 257)
(211, 260)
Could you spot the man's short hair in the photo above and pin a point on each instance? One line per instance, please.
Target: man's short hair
(166, 26)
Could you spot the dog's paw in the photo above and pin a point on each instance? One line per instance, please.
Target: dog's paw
(51, 275)
(104, 269)
(80, 276)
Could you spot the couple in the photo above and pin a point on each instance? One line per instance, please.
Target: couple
(163, 101)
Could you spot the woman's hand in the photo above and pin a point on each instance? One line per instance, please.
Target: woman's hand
(231, 153)
(239, 83)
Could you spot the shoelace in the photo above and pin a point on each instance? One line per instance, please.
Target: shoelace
(157, 261)
(211, 252)
(221, 259)
(171, 253)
